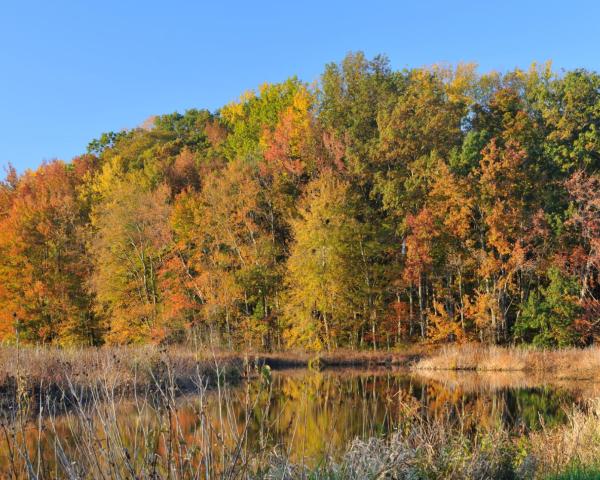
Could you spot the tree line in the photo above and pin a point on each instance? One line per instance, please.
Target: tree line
(373, 209)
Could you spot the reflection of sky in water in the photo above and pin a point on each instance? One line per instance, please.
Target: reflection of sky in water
(312, 414)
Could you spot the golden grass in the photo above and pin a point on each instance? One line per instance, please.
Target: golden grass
(576, 444)
(563, 363)
(476, 382)
(129, 367)
(121, 368)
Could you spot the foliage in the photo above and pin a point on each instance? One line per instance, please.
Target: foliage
(376, 207)
(323, 268)
(548, 317)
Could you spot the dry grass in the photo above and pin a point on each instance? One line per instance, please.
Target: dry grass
(573, 446)
(565, 363)
(441, 449)
(476, 382)
(128, 368)
(95, 442)
(121, 368)
(422, 451)
(343, 358)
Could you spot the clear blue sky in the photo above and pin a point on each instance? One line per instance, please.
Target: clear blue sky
(74, 69)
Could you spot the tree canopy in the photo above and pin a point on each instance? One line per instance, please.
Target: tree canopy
(375, 207)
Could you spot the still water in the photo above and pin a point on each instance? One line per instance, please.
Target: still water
(306, 415)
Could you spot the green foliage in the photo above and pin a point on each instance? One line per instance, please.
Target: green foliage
(577, 473)
(466, 160)
(247, 118)
(548, 317)
(107, 140)
(573, 116)
(189, 127)
(351, 97)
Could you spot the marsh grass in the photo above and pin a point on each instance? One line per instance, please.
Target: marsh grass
(39, 441)
(120, 368)
(94, 443)
(127, 368)
(441, 450)
(566, 363)
(578, 474)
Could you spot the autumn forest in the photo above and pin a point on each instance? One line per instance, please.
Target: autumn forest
(372, 209)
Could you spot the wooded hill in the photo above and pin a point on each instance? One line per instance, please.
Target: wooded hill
(376, 208)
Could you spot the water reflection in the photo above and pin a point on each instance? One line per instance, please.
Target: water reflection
(306, 414)
(318, 413)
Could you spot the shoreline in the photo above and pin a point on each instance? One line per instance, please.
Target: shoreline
(122, 369)
(563, 364)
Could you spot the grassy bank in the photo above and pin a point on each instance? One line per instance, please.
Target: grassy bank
(127, 369)
(121, 369)
(563, 363)
(130, 368)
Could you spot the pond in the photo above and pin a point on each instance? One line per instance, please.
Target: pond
(305, 415)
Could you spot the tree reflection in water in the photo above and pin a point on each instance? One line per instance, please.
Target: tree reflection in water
(304, 414)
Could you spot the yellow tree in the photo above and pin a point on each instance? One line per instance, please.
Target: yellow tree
(128, 244)
(325, 303)
(422, 124)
